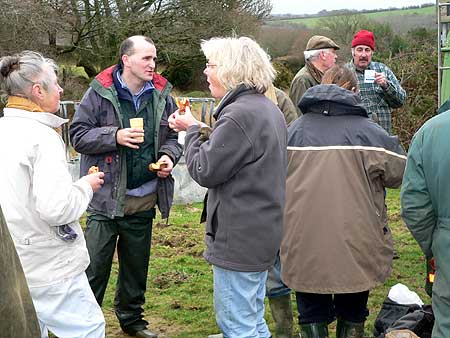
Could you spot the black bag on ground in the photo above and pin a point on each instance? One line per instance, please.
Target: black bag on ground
(390, 312)
(420, 322)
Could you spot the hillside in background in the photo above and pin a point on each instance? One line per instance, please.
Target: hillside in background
(406, 40)
(401, 20)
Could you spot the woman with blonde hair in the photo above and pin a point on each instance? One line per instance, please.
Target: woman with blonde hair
(336, 241)
(243, 165)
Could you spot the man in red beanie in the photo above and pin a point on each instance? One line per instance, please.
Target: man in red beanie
(379, 89)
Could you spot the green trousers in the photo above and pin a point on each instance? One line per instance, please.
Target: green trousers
(133, 236)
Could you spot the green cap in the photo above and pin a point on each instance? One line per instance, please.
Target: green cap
(320, 42)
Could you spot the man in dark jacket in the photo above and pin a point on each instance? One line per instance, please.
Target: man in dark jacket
(17, 311)
(124, 208)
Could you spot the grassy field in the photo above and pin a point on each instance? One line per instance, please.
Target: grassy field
(383, 15)
(179, 293)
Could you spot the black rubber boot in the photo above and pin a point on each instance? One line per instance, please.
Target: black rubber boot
(281, 309)
(346, 329)
(314, 330)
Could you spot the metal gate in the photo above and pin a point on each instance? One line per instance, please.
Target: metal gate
(443, 21)
(68, 108)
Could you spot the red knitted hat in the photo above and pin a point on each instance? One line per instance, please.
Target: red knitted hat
(365, 38)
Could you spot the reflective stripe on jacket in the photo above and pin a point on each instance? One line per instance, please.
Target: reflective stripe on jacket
(336, 238)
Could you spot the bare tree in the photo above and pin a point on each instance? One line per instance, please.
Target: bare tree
(89, 31)
(341, 29)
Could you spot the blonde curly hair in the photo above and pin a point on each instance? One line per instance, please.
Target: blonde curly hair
(239, 61)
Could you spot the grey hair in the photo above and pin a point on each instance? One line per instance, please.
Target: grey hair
(240, 61)
(312, 54)
(19, 72)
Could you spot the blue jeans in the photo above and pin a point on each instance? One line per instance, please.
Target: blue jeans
(274, 285)
(239, 303)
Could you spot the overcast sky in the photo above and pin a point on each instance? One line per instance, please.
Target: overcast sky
(314, 6)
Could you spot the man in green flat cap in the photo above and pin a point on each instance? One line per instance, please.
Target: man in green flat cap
(320, 55)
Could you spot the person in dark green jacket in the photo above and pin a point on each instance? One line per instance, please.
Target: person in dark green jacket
(425, 208)
(18, 317)
(121, 213)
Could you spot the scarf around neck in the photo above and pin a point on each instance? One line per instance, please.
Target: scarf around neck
(23, 103)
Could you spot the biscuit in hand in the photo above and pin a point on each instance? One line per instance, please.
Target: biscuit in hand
(182, 104)
(157, 166)
(93, 169)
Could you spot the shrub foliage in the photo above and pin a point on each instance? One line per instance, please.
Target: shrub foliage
(411, 55)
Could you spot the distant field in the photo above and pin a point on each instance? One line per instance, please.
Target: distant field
(379, 16)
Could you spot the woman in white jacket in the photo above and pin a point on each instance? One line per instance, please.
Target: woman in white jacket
(40, 202)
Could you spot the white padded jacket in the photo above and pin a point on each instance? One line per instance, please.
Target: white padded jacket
(37, 194)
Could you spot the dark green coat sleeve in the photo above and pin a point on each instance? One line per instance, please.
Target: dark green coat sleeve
(18, 317)
(286, 106)
(298, 88)
(416, 204)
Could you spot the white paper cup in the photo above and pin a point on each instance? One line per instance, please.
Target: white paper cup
(369, 76)
(138, 123)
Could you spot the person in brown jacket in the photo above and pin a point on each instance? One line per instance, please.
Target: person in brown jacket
(320, 55)
(18, 317)
(336, 242)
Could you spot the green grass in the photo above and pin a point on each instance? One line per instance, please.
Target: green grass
(409, 269)
(412, 11)
(313, 22)
(179, 289)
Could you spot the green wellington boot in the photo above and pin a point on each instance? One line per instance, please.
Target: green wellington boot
(346, 329)
(281, 309)
(314, 330)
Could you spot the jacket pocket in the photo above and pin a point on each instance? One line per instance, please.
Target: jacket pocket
(212, 221)
(163, 132)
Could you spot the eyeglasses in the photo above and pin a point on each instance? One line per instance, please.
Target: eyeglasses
(210, 65)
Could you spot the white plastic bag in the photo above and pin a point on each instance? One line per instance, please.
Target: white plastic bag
(400, 294)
